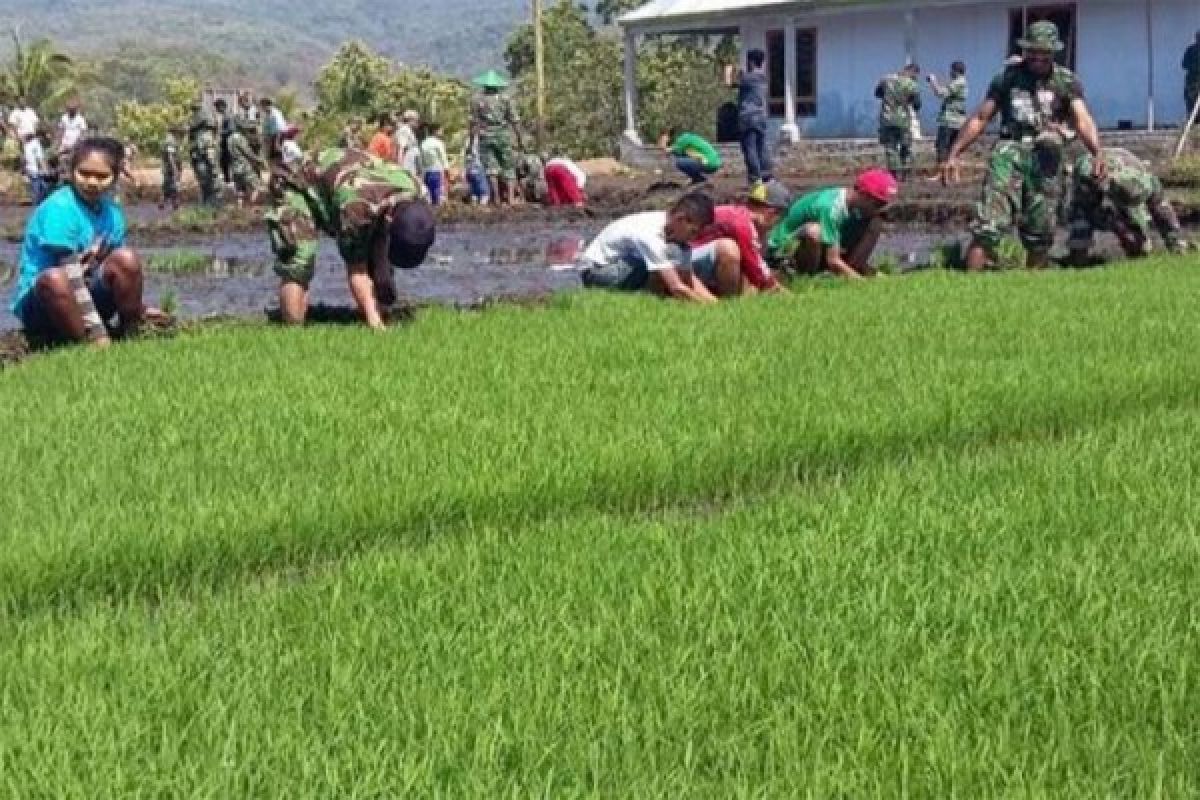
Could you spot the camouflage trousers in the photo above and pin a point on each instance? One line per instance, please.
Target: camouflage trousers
(245, 178)
(1018, 190)
(205, 166)
(496, 150)
(294, 238)
(1133, 222)
(897, 149)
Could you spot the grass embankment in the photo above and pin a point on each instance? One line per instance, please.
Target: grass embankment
(932, 536)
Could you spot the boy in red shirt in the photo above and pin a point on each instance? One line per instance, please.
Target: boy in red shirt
(727, 256)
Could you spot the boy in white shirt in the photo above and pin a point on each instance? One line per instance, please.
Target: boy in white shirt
(650, 251)
(23, 120)
(34, 160)
(71, 127)
(435, 163)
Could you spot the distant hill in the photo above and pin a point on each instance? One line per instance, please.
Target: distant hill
(284, 41)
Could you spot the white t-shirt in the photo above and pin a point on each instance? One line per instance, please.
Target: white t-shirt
(408, 149)
(433, 155)
(637, 239)
(578, 174)
(291, 152)
(35, 157)
(24, 120)
(72, 129)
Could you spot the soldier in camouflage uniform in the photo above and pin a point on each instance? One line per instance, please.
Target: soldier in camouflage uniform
(532, 172)
(245, 165)
(1129, 202)
(370, 207)
(495, 121)
(954, 108)
(352, 135)
(203, 152)
(1037, 100)
(900, 97)
(172, 168)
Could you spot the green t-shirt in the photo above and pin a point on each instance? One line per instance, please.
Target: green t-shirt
(826, 207)
(697, 147)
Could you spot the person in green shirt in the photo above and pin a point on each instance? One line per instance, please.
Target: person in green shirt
(694, 155)
(835, 229)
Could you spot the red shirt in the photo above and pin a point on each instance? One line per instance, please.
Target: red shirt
(735, 222)
(383, 146)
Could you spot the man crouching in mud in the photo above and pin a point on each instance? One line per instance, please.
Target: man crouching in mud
(371, 208)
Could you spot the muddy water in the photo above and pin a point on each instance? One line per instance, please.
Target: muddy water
(464, 268)
(469, 264)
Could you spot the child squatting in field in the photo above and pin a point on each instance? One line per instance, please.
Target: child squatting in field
(834, 229)
(76, 271)
(651, 251)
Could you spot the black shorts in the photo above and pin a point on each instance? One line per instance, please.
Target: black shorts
(36, 321)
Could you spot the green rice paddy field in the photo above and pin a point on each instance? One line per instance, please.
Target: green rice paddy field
(926, 537)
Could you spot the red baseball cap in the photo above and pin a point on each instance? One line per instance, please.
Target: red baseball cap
(878, 184)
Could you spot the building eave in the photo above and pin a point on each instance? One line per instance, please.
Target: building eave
(683, 22)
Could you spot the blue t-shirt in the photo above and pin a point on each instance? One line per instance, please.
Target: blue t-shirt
(63, 225)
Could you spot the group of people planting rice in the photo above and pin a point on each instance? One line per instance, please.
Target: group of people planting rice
(80, 281)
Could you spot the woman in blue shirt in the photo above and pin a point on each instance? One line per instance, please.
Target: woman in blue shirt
(81, 224)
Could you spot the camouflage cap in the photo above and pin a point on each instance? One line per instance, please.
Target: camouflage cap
(1042, 36)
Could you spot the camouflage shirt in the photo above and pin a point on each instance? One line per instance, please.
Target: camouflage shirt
(532, 172)
(1029, 105)
(202, 129)
(1130, 182)
(169, 150)
(954, 103)
(346, 190)
(901, 99)
(243, 158)
(493, 114)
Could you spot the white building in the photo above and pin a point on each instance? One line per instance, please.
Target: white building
(826, 56)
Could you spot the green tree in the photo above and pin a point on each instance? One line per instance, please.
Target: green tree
(358, 82)
(679, 85)
(39, 73)
(609, 10)
(353, 81)
(145, 124)
(583, 80)
(679, 81)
